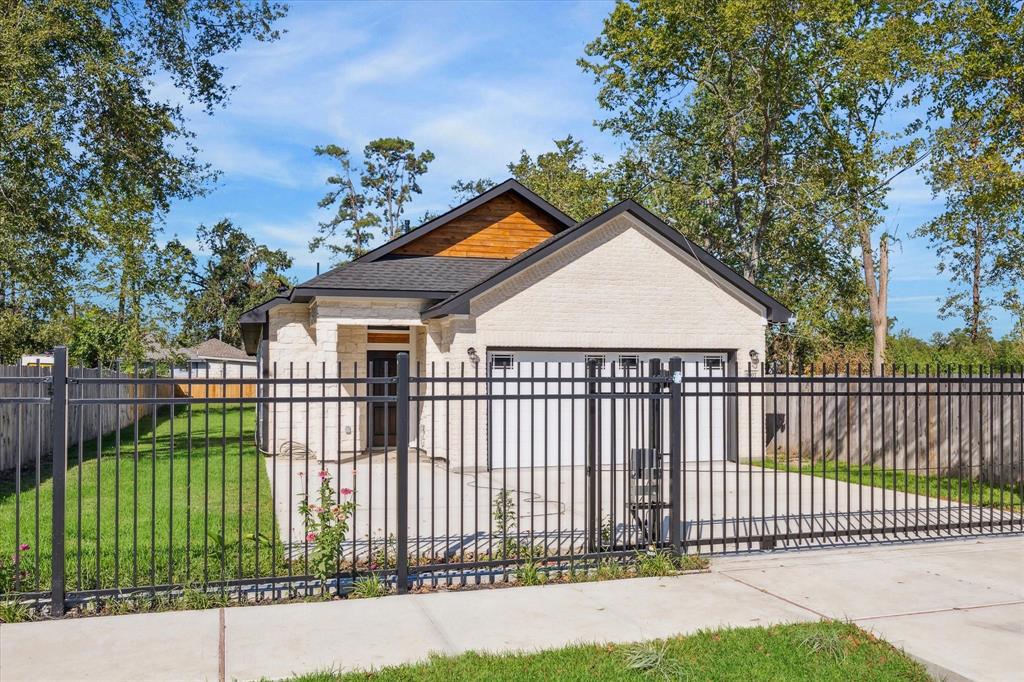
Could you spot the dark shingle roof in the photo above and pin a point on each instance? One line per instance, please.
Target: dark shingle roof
(412, 273)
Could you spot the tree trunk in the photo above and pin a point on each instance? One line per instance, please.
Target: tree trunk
(877, 283)
(975, 316)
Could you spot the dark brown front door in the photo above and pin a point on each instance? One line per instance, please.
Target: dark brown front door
(383, 415)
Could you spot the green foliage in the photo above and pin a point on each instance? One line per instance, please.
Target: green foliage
(826, 651)
(237, 274)
(529, 574)
(579, 185)
(351, 213)
(189, 482)
(464, 190)
(653, 564)
(96, 338)
(955, 484)
(326, 525)
(391, 177)
(387, 181)
(977, 156)
(368, 587)
(653, 659)
(80, 121)
(954, 350)
(15, 612)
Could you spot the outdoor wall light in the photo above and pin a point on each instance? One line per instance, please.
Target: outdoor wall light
(473, 357)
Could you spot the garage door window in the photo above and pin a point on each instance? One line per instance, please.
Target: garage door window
(502, 361)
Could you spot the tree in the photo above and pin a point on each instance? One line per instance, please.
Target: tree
(238, 274)
(712, 101)
(351, 211)
(464, 190)
(755, 128)
(579, 185)
(974, 83)
(79, 118)
(392, 171)
(388, 179)
(128, 268)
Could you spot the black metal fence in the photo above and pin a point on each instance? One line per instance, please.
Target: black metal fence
(457, 474)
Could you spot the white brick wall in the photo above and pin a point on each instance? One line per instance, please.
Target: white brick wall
(618, 287)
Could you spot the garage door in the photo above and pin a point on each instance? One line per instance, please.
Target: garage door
(547, 425)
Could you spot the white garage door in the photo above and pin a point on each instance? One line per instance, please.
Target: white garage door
(542, 429)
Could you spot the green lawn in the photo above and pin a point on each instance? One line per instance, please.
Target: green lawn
(182, 522)
(943, 487)
(809, 651)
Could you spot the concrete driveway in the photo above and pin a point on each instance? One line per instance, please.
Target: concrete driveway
(729, 505)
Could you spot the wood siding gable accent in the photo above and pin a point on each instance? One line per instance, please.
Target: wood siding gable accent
(503, 227)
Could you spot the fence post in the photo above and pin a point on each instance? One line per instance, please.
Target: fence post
(402, 446)
(675, 452)
(59, 434)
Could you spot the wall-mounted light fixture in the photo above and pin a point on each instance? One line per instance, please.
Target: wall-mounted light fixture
(473, 357)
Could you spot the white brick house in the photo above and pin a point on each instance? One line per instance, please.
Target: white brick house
(502, 282)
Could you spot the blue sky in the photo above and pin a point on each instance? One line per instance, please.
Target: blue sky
(473, 82)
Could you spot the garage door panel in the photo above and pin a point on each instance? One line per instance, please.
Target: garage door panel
(538, 416)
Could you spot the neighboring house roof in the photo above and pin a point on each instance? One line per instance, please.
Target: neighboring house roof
(215, 349)
(449, 283)
(459, 304)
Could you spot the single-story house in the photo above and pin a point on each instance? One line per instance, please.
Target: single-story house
(218, 360)
(503, 282)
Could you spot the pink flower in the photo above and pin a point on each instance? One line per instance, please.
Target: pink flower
(24, 546)
(310, 537)
(323, 475)
(345, 491)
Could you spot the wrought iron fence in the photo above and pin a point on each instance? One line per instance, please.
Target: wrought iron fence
(449, 474)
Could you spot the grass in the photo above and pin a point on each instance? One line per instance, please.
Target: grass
(808, 651)
(953, 488)
(191, 518)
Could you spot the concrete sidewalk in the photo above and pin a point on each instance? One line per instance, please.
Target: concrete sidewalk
(958, 606)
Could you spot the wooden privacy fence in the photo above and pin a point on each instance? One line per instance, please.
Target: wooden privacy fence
(939, 425)
(203, 391)
(25, 433)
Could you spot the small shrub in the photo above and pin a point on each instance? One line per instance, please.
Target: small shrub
(16, 570)
(654, 564)
(693, 562)
(652, 659)
(828, 643)
(326, 525)
(504, 512)
(530, 574)
(609, 569)
(368, 587)
(14, 612)
(195, 599)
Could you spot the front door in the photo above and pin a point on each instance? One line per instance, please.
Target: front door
(383, 415)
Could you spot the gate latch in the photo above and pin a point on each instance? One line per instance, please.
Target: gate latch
(677, 377)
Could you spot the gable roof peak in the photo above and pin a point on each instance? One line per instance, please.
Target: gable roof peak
(509, 185)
